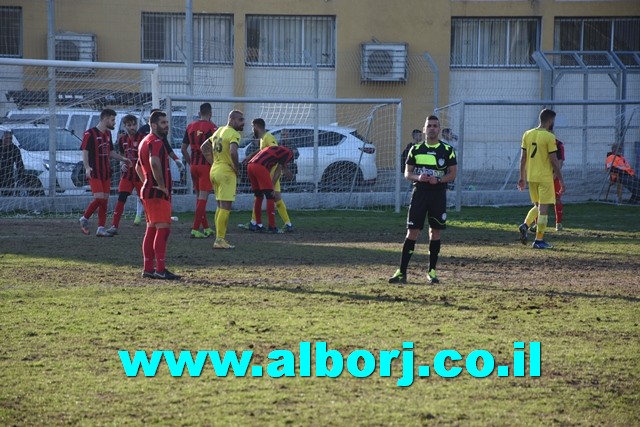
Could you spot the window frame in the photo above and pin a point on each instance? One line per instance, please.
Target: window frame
(587, 19)
(177, 21)
(252, 55)
(508, 22)
(20, 33)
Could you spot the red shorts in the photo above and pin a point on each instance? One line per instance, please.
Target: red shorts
(157, 210)
(259, 177)
(200, 177)
(127, 186)
(556, 187)
(100, 185)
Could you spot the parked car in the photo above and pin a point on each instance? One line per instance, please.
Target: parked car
(33, 141)
(342, 154)
(78, 120)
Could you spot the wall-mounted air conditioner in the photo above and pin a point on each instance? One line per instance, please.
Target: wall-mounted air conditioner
(384, 62)
(76, 47)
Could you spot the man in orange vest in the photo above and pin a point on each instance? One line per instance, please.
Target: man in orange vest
(622, 172)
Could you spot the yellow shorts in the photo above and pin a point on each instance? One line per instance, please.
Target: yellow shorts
(276, 186)
(224, 185)
(542, 192)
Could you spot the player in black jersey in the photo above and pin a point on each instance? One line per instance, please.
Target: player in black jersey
(430, 166)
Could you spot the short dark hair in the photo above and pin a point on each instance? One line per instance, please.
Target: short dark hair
(432, 117)
(156, 115)
(259, 122)
(107, 112)
(129, 118)
(546, 115)
(205, 109)
(413, 132)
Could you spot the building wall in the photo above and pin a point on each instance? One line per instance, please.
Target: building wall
(424, 26)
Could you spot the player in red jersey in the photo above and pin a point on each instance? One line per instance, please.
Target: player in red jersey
(153, 169)
(196, 134)
(127, 146)
(262, 182)
(97, 152)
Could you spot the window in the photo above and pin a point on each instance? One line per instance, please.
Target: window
(494, 42)
(10, 31)
(163, 38)
(293, 41)
(38, 139)
(609, 34)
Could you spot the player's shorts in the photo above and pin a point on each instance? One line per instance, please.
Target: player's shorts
(259, 177)
(276, 186)
(100, 185)
(224, 185)
(201, 177)
(157, 210)
(127, 186)
(427, 203)
(542, 192)
(556, 187)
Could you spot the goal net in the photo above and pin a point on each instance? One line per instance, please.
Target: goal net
(347, 151)
(45, 107)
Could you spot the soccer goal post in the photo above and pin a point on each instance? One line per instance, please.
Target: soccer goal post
(47, 105)
(347, 150)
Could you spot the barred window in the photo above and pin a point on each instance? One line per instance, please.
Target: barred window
(10, 31)
(588, 34)
(294, 41)
(494, 42)
(163, 38)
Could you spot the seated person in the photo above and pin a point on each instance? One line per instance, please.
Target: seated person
(622, 172)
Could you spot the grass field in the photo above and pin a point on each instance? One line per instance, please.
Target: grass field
(69, 302)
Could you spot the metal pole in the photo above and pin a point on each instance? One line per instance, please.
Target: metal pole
(188, 37)
(53, 122)
(585, 120)
(436, 79)
(460, 155)
(316, 120)
(398, 155)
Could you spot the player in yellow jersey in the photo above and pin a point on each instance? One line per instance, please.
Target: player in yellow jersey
(268, 140)
(221, 151)
(538, 163)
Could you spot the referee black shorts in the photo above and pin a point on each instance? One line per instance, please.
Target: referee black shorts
(431, 203)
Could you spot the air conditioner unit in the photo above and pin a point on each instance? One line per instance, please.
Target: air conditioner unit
(384, 62)
(75, 47)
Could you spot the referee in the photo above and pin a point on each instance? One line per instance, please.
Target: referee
(430, 166)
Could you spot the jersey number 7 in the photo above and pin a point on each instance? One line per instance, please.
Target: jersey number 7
(535, 149)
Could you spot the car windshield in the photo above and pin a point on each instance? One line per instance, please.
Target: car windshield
(61, 119)
(37, 139)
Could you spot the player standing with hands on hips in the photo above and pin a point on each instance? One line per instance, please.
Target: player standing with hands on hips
(430, 165)
(153, 169)
(538, 164)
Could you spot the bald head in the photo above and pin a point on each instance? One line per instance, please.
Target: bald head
(236, 120)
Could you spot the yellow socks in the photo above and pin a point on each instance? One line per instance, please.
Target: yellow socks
(282, 211)
(531, 216)
(222, 220)
(542, 226)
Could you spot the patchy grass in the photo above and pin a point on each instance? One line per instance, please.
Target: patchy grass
(69, 302)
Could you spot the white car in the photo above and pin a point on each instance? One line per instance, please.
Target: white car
(342, 155)
(33, 141)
